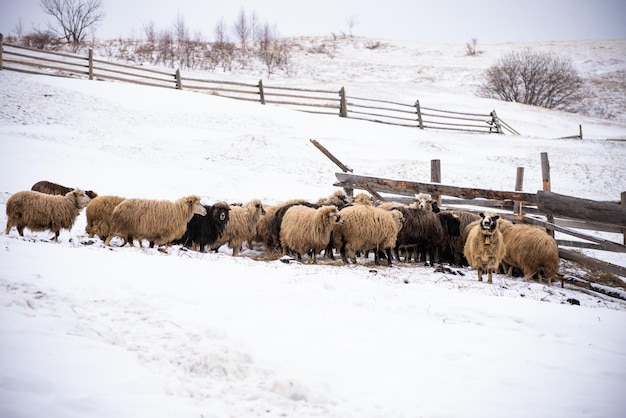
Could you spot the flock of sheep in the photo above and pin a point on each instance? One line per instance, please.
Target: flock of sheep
(352, 226)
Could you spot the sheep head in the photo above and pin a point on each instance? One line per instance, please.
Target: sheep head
(80, 197)
(221, 212)
(489, 222)
(424, 201)
(362, 199)
(194, 203)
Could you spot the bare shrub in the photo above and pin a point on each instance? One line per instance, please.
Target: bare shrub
(39, 39)
(371, 45)
(534, 78)
(472, 48)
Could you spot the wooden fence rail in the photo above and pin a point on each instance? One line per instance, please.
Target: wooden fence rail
(322, 101)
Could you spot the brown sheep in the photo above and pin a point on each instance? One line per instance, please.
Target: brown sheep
(264, 233)
(484, 248)
(99, 212)
(48, 187)
(41, 212)
(241, 226)
(367, 228)
(158, 221)
(530, 249)
(339, 199)
(307, 230)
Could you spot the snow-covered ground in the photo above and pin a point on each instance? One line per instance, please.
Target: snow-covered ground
(87, 330)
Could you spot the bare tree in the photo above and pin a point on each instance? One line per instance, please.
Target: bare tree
(273, 52)
(242, 29)
(183, 42)
(19, 28)
(352, 21)
(74, 18)
(165, 47)
(255, 26)
(534, 78)
(223, 50)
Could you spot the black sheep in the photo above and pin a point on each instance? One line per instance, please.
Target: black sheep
(205, 230)
(425, 232)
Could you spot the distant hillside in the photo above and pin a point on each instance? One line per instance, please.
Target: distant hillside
(405, 70)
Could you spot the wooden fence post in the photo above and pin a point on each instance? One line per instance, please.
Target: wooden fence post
(519, 183)
(580, 131)
(179, 84)
(435, 177)
(495, 122)
(1, 40)
(623, 201)
(419, 114)
(261, 92)
(91, 63)
(545, 176)
(343, 105)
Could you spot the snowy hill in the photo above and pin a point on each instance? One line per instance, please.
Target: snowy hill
(88, 330)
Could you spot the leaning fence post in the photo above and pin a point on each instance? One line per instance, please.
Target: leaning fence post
(545, 176)
(623, 201)
(419, 114)
(91, 63)
(519, 183)
(435, 177)
(343, 105)
(179, 84)
(1, 38)
(261, 92)
(495, 122)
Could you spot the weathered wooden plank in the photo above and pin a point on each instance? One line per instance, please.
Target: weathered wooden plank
(409, 188)
(599, 264)
(583, 209)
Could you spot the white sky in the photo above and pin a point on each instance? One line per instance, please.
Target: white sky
(454, 21)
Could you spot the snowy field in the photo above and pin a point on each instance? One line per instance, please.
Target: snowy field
(87, 330)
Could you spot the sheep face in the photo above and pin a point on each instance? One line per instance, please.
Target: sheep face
(198, 209)
(82, 199)
(259, 208)
(335, 218)
(424, 201)
(489, 222)
(221, 212)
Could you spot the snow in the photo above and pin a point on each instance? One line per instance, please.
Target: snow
(88, 330)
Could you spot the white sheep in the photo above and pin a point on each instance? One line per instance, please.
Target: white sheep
(530, 249)
(366, 228)
(484, 247)
(241, 226)
(41, 212)
(424, 201)
(307, 230)
(158, 221)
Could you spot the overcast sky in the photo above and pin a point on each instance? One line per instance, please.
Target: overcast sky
(454, 21)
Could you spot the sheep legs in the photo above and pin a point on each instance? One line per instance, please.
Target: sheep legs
(482, 270)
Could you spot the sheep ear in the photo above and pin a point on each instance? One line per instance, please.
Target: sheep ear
(482, 215)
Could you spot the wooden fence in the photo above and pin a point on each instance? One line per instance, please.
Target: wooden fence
(322, 101)
(557, 213)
